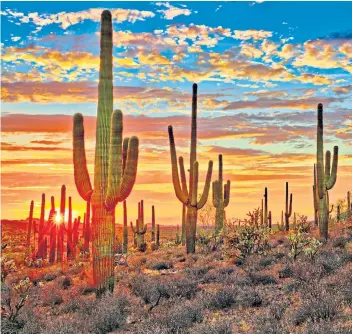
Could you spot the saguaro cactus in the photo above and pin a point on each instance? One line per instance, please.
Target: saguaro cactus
(190, 197)
(153, 223)
(140, 229)
(125, 228)
(349, 205)
(53, 231)
(29, 227)
(221, 197)
(325, 180)
(41, 228)
(112, 182)
(60, 234)
(87, 228)
(157, 243)
(288, 211)
(315, 197)
(178, 238)
(269, 220)
(183, 228)
(266, 207)
(69, 229)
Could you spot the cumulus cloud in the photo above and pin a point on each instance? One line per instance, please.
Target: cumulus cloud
(170, 12)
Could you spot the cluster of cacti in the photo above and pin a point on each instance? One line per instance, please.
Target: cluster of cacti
(264, 217)
(189, 197)
(50, 243)
(140, 229)
(115, 167)
(325, 175)
(348, 213)
(288, 209)
(221, 198)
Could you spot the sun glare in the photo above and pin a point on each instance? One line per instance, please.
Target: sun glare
(57, 218)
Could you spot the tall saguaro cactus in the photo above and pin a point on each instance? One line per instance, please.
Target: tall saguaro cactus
(221, 197)
(140, 229)
(29, 227)
(112, 182)
(153, 223)
(125, 228)
(288, 211)
(266, 207)
(53, 231)
(189, 197)
(183, 228)
(60, 234)
(326, 175)
(41, 228)
(315, 197)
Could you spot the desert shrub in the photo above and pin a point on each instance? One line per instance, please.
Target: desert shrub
(13, 299)
(325, 327)
(67, 326)
(160, 265)
(110, 313)
(50, 277)
(339, 242)
(8, 266)
(266, 261)
(183, 287)
(317, 304)
(257, 279)
(208, 241)
(246, 239)
(221, 275)
(65, 282)
(197, 273)
(300, 242)
(330, 261)
(249, 297)
(180, 316)
(286, 272)
(219, 327)
(222, 299)
(51, 295)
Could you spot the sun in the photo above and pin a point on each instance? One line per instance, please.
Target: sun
(57, 218)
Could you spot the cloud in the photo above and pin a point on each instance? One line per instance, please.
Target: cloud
(12, 147)
(251, 34)
(66, 19)
(342, 89)
(171, 11)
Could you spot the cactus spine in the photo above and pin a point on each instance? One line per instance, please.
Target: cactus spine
(153, 223)
(29, 227)
(189, 198)
(288, 211)
(112, 183)
(140, 229)
(325, 180)
(221, 197)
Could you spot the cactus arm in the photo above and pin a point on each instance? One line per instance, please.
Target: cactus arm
(130, 174)
(175, 178)
(330, 182)
(227, 193)
(320, 179)
(327, 164)
(81, 175)
(205, 194)
(183, 176)
(124, 152)
(216, 194)
(115, 164)
(290, 210)
(144, 230)
(132, 228)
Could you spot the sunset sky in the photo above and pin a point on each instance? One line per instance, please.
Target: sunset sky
(261, 67)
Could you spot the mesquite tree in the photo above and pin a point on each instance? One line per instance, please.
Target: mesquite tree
(112, 182)
(189, 197)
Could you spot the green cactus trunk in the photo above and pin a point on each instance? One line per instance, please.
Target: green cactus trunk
(125, 228)
(29, 228)
(288, 211)
(183, 227)
(87, 228)
(221, 198)
(69, 230)
(115, 166)
(189, 198)
(325, 179)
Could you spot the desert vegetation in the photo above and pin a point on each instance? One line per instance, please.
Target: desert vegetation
(222, 276)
